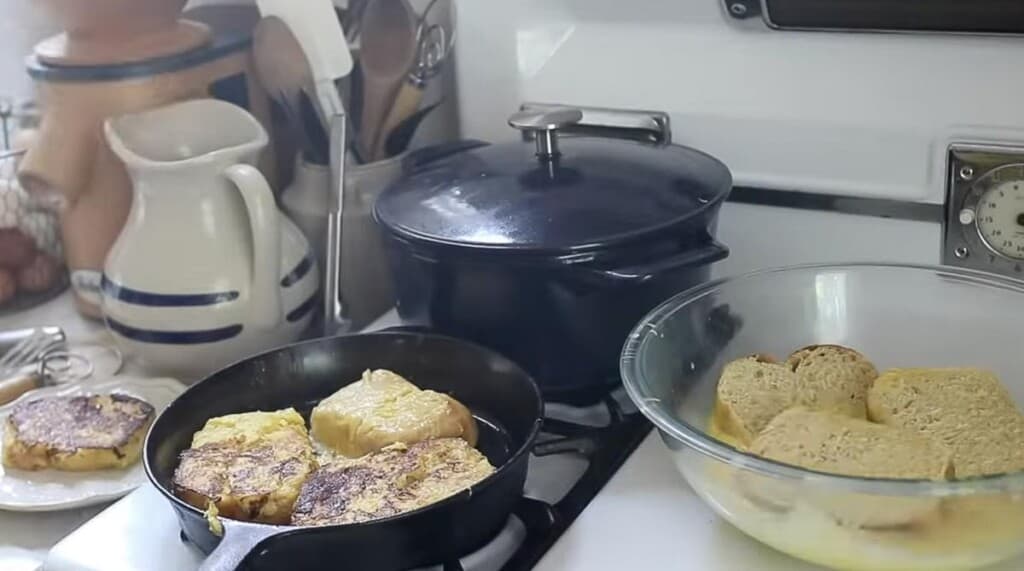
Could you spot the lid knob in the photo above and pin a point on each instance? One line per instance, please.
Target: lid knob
(544, 125)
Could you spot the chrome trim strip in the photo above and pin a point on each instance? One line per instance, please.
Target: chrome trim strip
(877, 207)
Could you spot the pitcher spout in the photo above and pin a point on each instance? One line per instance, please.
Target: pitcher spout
(185, 134)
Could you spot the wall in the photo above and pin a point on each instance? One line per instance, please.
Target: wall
(21, 26)
(840, 113)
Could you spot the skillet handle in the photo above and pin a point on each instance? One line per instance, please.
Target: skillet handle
(708, 253)
(239, 539)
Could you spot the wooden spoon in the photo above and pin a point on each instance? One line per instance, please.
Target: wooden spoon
(388, 53)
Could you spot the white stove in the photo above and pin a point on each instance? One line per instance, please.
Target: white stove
(645, 514)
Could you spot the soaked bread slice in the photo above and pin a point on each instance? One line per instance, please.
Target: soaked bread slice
(249, 466)
(966, 409)
(750, 393)
(77, 433)
(389, 482)
(829, 442)
(382, 409)
(825, 441)
(753, 390)
(833, 377)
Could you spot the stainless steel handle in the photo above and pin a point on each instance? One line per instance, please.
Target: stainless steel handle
(334, 309)
(544, 125)
(646, 126)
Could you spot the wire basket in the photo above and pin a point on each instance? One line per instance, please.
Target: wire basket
(31, 267)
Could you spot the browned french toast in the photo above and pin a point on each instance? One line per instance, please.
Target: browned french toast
(394, 480)
(250, 466)
(78, 433)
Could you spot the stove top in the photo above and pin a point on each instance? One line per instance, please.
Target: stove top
(646, 517)
(578, 451)
(603, 446)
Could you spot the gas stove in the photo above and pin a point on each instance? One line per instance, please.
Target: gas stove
(594, 499)
(579, 450)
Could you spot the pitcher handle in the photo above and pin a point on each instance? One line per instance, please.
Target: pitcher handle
(265, 304)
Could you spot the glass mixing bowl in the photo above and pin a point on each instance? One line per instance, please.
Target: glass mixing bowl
(898, 316)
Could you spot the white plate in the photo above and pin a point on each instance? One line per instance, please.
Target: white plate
(52, 490)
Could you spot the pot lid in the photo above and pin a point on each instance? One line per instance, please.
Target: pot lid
(567, 195)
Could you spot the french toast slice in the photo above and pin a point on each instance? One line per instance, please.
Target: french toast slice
(76, 433)
(250, 466)
(381, 409)
(391, 481)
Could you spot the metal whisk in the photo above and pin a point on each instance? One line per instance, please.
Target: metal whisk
(29, 351)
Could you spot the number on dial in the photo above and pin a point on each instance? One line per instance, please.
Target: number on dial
(1001, 218)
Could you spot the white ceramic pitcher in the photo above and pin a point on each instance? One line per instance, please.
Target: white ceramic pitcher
(206, 270)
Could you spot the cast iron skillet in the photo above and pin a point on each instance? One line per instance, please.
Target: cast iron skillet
(503, 398)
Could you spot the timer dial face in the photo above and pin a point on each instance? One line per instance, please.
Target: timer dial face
(1000, 218)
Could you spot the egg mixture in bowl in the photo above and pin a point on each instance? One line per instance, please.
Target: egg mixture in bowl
(869, 510)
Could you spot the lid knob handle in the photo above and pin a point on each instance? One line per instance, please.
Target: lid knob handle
(544, 124)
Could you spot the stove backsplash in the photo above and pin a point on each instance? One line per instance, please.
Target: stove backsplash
(854, 114)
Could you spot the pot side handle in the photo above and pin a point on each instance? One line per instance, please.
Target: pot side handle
(239, 540)
(708, 253)
(265, 293)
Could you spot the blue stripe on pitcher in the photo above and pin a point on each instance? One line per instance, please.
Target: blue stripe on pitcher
(194, 337)
(299, 272)
(124, 294)
(303, 309)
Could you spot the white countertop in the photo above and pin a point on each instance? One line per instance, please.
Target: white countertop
(647, 517)
(25, 538)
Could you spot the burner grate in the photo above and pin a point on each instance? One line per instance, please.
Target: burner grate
(606, 447)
